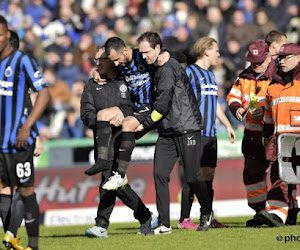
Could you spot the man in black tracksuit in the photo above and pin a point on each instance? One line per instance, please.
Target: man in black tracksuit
(176, 112)
(111, 95)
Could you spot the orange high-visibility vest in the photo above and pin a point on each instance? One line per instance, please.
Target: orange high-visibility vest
(282, 106)
(240, 93)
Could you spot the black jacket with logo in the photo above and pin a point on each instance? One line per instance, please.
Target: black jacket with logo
(174, 98)
(96, 97)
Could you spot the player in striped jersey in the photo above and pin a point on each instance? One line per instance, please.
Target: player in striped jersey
(131, 64)
(136, 73)
(205, 88)
(18, 75)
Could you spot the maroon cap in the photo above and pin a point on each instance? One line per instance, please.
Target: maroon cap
(258, 52)
(289, 49)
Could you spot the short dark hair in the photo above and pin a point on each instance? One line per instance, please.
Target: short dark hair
(115, 43)
(152, 37)
(3, 21)
(274, 36)
(100, 46)
(14, 39)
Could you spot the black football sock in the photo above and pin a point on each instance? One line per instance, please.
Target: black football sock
(5, 203)
(32, 214)
(125, 151)
(103, 136)
(210, 191)
(18, 212)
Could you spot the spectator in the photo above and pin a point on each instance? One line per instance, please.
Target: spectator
(35, 10)
(48, 31)
(239, 30)
(228, 8)
(169, 26)
(263, 24)
(234, 60)
(156, 14)
(55, 114)
(100, 34)
(123, 29)
(277, 12)
(91, 21)
(181, 42)
(33, 46)
(14, 15)
(194, 28)
(249, 8)
(62, 45)
(68, 70)
(217, 28)
(84, 52)
(110, 17)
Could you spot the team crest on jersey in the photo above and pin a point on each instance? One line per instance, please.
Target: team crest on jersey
(141, 68)
(37, 74)
(123, 89)
(8, 72)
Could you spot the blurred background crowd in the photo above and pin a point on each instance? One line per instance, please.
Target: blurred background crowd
(62, 35)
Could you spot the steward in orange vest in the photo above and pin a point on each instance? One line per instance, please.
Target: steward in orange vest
(246, 100)
(282, 115)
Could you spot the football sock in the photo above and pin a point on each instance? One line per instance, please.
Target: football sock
(18, 211)
(5, 203)
(103, 135)
(125, 151)
(32, 219)
(210, 190)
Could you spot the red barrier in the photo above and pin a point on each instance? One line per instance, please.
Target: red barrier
(71, 188)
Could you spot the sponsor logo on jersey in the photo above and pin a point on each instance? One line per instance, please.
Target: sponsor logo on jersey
(37, 74)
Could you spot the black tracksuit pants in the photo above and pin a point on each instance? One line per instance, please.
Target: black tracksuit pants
(167, 151)
(125, 194)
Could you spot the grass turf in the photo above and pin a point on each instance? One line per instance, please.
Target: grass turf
(123, 236)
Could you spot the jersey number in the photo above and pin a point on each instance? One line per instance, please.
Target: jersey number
(23, 170)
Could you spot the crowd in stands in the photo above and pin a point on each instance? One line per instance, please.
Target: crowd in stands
(62, 35)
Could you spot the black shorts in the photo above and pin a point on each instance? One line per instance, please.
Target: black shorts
(209, 151)
(126, 110)
(142, 113)
(17, 169)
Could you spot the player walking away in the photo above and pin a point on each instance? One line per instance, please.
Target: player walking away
(247, 99)
(206, 50)
(7, 200)
(19, 75)
(281, 116)
(98, 101)
(275, 39)
(178, 119)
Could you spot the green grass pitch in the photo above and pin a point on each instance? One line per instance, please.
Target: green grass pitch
(123, 236)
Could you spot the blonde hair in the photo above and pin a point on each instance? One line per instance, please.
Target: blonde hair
(202, 44)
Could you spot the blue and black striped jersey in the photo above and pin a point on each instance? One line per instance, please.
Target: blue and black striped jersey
(19, 75)
(206, 92)
(138, 79)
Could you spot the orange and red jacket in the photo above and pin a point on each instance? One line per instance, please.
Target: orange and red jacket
(282, 108)
(239, 95)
